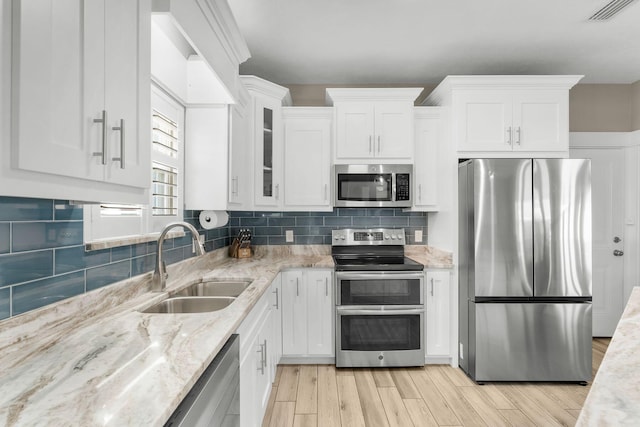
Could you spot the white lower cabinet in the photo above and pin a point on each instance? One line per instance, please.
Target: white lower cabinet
(307, 314)
(438, 318)
(255, 363)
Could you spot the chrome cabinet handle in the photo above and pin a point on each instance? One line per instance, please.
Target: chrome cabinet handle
(509, 135)
(122, 144)
(325, 192)
(369, 143)
(326, 286)
(277, 191)
(297, 287)
(261, 351)
(432, 286)
(277, 304)
(420, 192)
(265, 353)
(378, 144)
(518, 133)
(618, 253)
(102, 154)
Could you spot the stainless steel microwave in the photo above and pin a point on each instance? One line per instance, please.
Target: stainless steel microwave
(373, 185)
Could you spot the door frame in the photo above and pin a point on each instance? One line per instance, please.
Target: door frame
(630, 142)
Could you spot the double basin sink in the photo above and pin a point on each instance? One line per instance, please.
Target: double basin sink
(201, 297)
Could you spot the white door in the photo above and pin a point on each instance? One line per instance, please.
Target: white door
(394, 132)
(307, 162)
(539, 123)
(294, 314)
(354, 130)
(607, 192)
(485, 122)
(320, 313)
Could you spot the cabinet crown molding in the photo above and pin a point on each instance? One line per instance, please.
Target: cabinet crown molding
(255, 84)
(408, 94)
(219, 18)
(307, 112)
(451, 83)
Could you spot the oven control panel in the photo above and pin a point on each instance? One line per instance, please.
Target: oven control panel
(374, 236)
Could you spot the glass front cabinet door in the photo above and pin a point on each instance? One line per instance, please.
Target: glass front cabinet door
(268, 151)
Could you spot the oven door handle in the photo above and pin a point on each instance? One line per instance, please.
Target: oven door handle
(378, 276)
(378, 312)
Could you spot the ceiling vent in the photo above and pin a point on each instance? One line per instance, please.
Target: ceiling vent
(610, 9)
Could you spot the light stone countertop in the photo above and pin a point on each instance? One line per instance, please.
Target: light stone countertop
(614, 398)
(95, 359)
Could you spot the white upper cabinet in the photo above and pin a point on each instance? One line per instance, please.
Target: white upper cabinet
(241, 154)
(514, 120)
(307, 158)
(428, 123)
(373, 123)
(81, 89)
(507, 116)
(267, 136)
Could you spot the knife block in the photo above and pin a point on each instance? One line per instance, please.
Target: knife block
(236, 251)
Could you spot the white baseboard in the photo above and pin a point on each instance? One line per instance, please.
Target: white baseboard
(437, 360)
(307, 360)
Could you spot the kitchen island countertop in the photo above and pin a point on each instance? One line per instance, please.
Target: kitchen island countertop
(95, 359)
(614, 398)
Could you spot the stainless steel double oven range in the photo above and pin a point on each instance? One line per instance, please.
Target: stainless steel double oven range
(379, 300)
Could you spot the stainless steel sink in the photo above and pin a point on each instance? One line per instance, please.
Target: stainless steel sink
(190, 305)
(215, 288)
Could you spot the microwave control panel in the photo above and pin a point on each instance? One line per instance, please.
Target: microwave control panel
(402, 187)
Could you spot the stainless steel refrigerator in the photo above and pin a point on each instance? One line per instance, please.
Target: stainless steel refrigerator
(525, 269)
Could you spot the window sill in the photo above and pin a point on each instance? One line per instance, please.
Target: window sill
(129, 240)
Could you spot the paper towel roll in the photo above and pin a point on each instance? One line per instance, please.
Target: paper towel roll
(213, 219)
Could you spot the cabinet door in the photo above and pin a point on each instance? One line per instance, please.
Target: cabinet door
(320, 312)
(438, 313)
(354, 130)
(294, 314)
(307, 163)
(268, 149)
(275, 346)
(263, 378)
(393, 130)
(249, 363)
(540, 121)
(127, 90)
(240, 159)
(426, 162)
(485, 121)
(58, 84)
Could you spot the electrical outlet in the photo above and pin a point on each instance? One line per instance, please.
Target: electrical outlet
(288, 236)
(418, 236)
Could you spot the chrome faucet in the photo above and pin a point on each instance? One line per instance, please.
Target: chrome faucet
(159, 280)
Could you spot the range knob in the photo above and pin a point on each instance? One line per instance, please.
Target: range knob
(342, 237)
(336, 237)
(386, 237)
(393, 237)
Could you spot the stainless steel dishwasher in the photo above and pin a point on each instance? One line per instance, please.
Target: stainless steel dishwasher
(213, 400)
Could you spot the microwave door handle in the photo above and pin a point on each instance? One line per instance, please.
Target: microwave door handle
(393, 187)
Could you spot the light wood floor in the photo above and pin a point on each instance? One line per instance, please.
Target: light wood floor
(436, 395)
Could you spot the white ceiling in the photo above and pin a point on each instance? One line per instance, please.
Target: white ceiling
(421, 41)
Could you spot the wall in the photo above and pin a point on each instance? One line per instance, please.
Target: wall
(600, 108)
(42, 257)
(635, 106)
(314, 228)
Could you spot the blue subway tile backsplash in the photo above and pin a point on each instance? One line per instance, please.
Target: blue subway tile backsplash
(36, 294)
(42, 256)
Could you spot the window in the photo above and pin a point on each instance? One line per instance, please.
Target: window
(117, 221)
